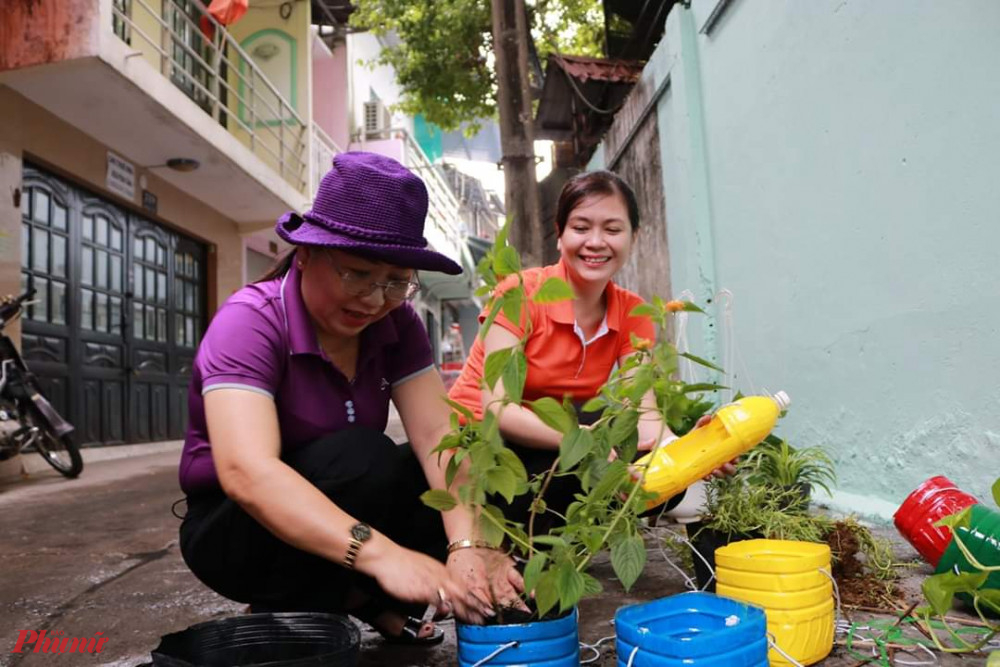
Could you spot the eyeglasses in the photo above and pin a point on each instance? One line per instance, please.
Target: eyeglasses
(356, 284)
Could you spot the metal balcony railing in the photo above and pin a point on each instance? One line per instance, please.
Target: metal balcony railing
(324, 148)
(443, 206)
(220, 77)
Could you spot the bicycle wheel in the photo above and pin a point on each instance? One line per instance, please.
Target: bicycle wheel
(61, 452)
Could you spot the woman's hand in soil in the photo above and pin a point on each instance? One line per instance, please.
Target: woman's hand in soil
(411, 576)
(490, 576)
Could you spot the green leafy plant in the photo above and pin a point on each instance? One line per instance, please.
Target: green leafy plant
(761, 502)
(941, 589)
(777, 463)
(605, 513)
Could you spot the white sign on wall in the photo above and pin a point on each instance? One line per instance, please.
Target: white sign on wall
(120, 177)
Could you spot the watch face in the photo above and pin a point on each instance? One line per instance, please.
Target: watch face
(361, 532)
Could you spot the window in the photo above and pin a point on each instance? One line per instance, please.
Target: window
(45, 254)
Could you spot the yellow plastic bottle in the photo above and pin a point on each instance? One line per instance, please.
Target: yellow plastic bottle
(734, 429)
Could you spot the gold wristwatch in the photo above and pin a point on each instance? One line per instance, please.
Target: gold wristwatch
(360, 533)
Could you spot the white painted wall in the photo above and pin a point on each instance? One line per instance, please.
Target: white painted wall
(362, 48)
(849, 201)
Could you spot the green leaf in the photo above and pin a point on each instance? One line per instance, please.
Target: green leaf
(623, 426)
(700, 361)
(495, 363)
(438, 499)
(514, 374)
(962, 519)
(513, 304)
(574, 446)
(506, 261)
(552, 414)
(989, 597)
(939, 596)
(596, 404)
(533, 570)
(628, 557)
(502, 481)
(691, 388)
(591, 586)
(495, 307)
(450, 471)
(460, 409)
(546, 592)
(939, 589)
(993, 660)
(643, 310)
(614, 476)
(502, 235)
(511, 461)
(691, 308)
(488, 529)
(996, 492)
(570, 584)
(550, 540)
(553, 290)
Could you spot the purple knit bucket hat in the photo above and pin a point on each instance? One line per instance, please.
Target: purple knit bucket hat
(372, 205)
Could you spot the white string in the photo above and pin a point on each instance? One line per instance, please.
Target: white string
(495, 653)
(698, 554)
(900, 661)
(685, 365)
(689, 583)
(836, 594)
(632, 657)
(773, 644)
(596, 648)
(733, 364)
(728, 342)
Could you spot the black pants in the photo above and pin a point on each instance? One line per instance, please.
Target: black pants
(365, 474)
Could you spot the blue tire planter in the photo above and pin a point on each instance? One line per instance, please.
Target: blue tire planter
(540, 644)
(699, 629)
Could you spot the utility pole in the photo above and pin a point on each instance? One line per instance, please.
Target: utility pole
(517, 130)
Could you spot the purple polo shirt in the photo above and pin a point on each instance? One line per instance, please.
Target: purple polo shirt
(263, 340)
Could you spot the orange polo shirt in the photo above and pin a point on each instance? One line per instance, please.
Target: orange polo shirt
(560, 362)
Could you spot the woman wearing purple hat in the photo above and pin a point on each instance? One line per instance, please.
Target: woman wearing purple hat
(297, 501)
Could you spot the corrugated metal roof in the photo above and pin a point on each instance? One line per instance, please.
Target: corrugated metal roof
(598, 69)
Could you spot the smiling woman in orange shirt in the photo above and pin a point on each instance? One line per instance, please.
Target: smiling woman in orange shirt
(573, 345)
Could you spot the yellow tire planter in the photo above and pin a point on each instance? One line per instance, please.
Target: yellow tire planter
(787, 579)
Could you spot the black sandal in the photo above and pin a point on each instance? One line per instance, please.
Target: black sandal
(410, 633)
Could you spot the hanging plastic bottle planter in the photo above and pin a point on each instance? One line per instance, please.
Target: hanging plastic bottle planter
(982, 539)
(790, 580)
(552, 643)
(930, 502)
(691, 629)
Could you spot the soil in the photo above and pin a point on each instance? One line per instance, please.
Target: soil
(856, 585)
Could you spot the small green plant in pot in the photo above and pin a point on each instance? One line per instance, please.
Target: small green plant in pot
(604, 514)
(776, 463)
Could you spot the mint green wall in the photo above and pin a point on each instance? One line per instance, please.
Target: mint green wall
(849, 199)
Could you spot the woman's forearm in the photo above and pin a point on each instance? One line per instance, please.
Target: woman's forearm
(298, 513)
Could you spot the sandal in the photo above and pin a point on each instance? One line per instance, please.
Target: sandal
(410, 632)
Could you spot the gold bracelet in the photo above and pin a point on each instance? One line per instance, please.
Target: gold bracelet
(469, 544)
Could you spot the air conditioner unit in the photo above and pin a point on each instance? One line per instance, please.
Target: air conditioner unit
(377, 117)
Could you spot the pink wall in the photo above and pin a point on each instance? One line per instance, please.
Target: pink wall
(330, 91)
(390, 147)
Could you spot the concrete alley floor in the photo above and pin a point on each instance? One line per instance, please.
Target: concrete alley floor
(100, 554)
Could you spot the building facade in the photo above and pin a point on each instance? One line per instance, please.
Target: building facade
(145, 150)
